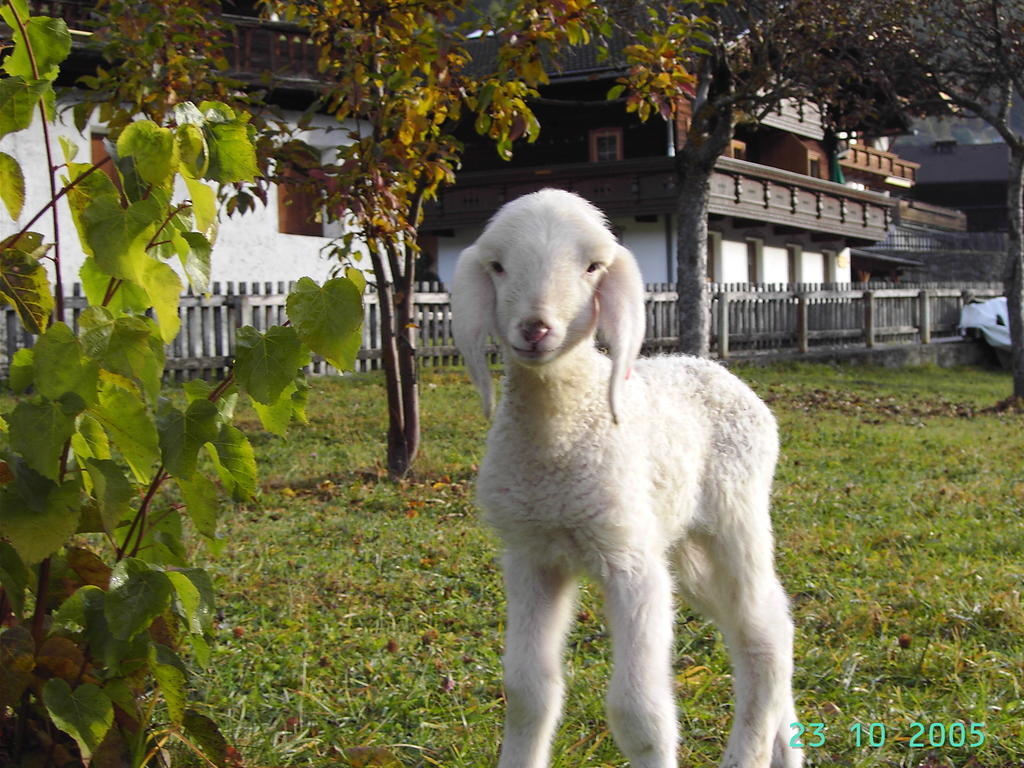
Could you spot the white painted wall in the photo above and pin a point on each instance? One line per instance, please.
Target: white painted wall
(647, 242)
(774, 264)
(248, 248)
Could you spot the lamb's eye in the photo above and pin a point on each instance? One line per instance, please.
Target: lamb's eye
(498, 269)
(594, 266)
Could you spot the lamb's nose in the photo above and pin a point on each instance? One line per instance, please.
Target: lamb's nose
(534, 330)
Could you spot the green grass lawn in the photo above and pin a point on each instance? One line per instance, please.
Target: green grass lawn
(361, 622)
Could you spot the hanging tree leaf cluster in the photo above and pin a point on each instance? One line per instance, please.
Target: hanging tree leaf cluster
(103, 472)
(401, 81)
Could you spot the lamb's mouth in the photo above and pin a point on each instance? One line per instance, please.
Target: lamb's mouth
(532, 353)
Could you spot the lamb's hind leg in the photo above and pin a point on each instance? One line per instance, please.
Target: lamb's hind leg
(738, 589)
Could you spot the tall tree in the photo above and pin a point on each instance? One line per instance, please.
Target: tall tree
(966, 58)
(400, 82)
(706, 66)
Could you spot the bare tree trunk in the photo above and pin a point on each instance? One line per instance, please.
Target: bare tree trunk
(693, 307)
(405, 305)
(1014, 280)
(709, 135)
(397, 452)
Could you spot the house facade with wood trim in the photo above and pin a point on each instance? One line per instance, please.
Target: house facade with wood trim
(778, 212)
(789, 204)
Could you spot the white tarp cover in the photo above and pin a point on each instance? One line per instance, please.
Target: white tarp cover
(990, 317)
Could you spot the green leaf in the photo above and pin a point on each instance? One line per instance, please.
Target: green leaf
(169, 672)
(117, 236)
(92, 187)
(24, 283)
(357, 277)
(214, 112)
(265, 363)
(12, 185)
(235, 462)
(123, 415)
(137, 595)
(60, 368)
(164, 288)
(196, 261)
(328, 318)
(89, 440)
(129, 345)
(18, 100)
(183, 434)
(186, 604)
(112, 490)
(204, 206)
(187, 113)
(86, 607)
(85, 714)
(14, 576)
(200, 495)
(39, 429)
(128, 297)
(198, 389)
(50, 43)
(192, 149)
(37, 515)
(232, 153)
(154, 150)
(276, 418)
(22, 370)
(204, 732)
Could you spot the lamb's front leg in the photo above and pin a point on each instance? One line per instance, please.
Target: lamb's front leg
(540, 600)
(641, 699)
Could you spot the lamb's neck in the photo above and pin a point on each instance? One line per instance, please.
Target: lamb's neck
(567, 391)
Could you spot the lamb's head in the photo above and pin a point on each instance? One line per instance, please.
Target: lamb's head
(542, 278)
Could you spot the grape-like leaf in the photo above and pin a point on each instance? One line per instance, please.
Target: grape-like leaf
(12, 185)
(18, 99)
(24, 283)
(154, 150)
(85, 713)
(328, 318)
(137, 595)
(235, 462)
(182, 434)
(266, 363)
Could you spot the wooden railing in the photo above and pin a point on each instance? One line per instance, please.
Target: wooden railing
(740, 189)
(747, 320)
(880, 163)
(255, 48)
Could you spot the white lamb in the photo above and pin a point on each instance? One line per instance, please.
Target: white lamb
(627, 470)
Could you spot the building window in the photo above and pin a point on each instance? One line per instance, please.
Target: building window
(814, 165)
(605, 145)
(299, 198)
(754, 250)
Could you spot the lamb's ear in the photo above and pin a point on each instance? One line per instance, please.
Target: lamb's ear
(472, 298)
(621, 320)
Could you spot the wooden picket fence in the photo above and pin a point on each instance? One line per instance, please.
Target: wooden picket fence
(746, 320)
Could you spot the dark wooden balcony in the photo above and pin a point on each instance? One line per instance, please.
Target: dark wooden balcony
(277, 53)
(741, 190)
(867, 160)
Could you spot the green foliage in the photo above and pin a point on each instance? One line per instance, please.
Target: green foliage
(100, 605)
